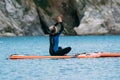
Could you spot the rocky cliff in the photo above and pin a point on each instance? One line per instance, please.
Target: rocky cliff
(100, 17)
(81, 17)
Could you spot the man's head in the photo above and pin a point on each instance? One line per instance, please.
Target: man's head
(53, 29)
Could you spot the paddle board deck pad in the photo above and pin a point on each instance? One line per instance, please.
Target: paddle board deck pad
(80, 55)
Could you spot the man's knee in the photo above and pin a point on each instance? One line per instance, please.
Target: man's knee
(59, 48)
(69, 48)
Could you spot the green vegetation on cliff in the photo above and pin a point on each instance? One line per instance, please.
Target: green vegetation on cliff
(43, 4)
(19, 1)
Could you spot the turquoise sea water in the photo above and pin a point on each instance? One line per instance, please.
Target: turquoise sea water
(59, 69)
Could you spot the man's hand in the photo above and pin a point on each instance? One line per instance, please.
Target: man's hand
(59, 19)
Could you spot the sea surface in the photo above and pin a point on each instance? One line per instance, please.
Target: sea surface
(59, 69)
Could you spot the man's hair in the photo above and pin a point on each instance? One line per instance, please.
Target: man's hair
(53, 29)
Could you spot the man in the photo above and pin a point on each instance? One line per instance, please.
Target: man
(54, 40)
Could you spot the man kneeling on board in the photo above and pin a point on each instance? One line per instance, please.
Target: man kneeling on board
(54, 50)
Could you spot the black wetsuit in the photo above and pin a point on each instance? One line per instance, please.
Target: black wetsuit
(54, 50)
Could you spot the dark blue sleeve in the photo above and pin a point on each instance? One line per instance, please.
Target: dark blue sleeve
(56, 24)
(62, 28)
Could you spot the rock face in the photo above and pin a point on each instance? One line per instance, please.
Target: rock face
(100, 17)
(19, 18)
(81, 17)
